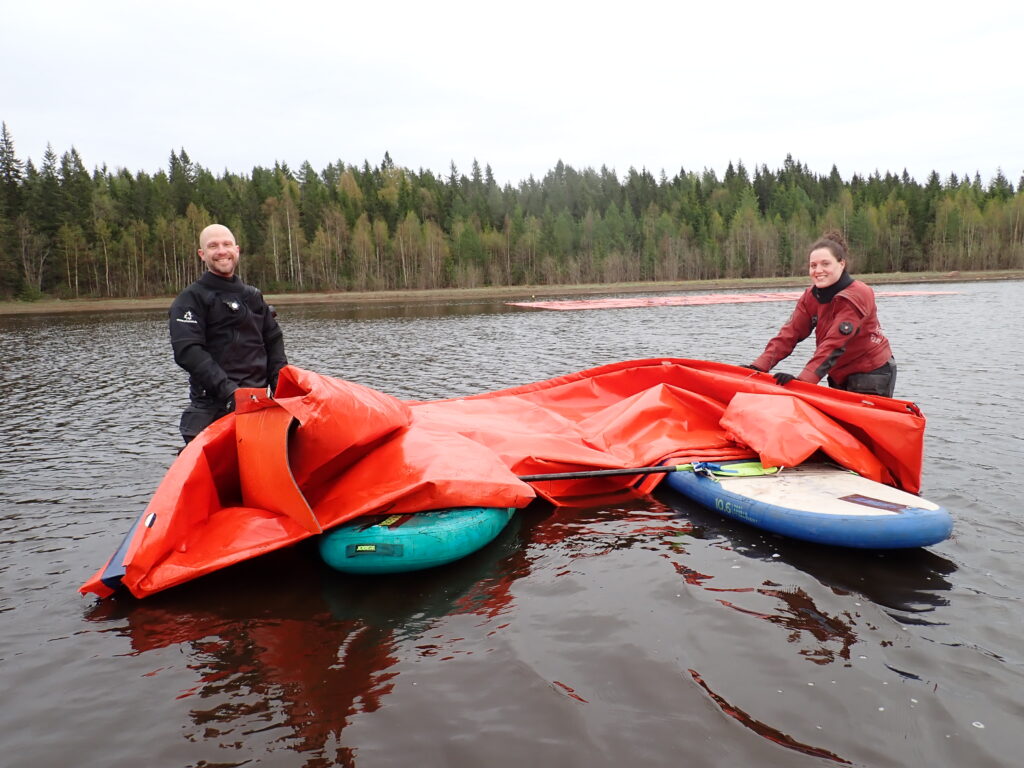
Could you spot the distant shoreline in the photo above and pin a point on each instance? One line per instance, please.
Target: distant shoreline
(499, 293)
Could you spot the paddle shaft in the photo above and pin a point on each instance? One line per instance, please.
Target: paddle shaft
(605, 473)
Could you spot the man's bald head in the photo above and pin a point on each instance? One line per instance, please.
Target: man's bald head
(218, 250)
(214, 230)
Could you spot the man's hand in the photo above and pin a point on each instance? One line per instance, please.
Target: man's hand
(229, 402)
(782, 379)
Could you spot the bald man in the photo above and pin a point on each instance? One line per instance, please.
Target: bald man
(223, 333)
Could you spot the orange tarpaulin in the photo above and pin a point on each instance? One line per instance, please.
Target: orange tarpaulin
(324, 451)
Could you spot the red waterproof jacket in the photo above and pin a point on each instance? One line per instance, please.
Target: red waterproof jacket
(847, 333)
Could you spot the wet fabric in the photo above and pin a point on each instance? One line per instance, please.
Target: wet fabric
(325, 450)
(881, 381)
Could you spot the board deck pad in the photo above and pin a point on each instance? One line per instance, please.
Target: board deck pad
(825, 489)
(867, 501)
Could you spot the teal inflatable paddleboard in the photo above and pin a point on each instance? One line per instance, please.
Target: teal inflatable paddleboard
(411, 542)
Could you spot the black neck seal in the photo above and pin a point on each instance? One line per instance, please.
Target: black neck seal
(825, 295)
(214, 281)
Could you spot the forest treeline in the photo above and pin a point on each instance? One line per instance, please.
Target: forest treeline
(72, 233)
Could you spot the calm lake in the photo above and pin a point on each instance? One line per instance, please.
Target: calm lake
(649, 634)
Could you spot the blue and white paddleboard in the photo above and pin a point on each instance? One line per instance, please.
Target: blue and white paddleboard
(411, 542)
(816, 502)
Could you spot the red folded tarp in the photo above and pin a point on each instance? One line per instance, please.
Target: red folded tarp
(324, 451)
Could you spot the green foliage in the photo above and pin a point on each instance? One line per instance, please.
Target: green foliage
(66, 232)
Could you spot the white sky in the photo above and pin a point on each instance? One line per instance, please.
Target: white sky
(520, 85)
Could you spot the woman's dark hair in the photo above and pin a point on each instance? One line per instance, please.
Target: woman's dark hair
(834, 241)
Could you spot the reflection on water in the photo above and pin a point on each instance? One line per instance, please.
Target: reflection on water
(762, 729)
(909, 582)
(264, 659)
(623, 633)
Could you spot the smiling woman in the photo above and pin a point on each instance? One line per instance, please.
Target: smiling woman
(850, 346)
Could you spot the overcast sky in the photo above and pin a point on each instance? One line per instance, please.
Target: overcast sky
(520, 85)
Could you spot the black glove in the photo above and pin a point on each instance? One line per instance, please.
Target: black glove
(229, 401)
(752, 367)
(782, 379)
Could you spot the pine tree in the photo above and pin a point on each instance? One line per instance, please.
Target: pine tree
(76, 188)
(313, 198)
(1000, 187)
(181, 175)
(44, 196)
(12, 175)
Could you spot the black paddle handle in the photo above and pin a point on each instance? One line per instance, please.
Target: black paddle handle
(605, 473)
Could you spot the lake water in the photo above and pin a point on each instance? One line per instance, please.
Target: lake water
(646, 634)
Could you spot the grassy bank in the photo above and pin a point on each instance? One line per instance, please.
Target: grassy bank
(501, 293)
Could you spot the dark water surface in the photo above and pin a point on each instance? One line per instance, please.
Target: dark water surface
(648, 634)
